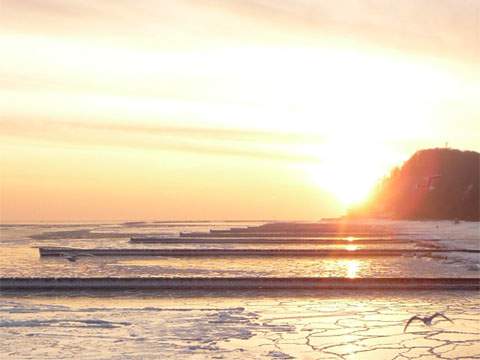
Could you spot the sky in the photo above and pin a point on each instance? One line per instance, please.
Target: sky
(252, 109)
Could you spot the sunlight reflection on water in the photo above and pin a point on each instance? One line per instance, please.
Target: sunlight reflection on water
(352, 268)
(20, 258)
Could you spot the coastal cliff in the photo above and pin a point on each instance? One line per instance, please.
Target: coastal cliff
(434, 184)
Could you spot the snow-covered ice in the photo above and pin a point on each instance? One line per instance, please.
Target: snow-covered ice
(235, 325)
(306, 325)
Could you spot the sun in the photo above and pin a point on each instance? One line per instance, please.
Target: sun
(349, 185)
(350, 171)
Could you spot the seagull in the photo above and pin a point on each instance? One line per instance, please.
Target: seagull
(427, 320)
(73, 258)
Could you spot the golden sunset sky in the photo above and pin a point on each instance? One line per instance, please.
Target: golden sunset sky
(253, 109)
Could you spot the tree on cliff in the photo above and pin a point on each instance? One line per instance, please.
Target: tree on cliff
(432, 184)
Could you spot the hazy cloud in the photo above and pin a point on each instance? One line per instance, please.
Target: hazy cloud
(213, 141)
(440, 27)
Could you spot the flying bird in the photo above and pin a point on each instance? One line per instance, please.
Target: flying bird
(427, 320)
(73, 257)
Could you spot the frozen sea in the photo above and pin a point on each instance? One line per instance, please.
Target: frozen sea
(235, 324)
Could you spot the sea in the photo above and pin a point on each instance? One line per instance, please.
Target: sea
(238, 323)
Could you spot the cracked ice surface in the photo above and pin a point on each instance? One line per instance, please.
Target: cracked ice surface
(306, 325)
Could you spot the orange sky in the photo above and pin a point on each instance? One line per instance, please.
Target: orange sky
(252, 109)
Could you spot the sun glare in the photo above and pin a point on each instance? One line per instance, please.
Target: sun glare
(351, 267)
(350, 169)
(346, 185)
